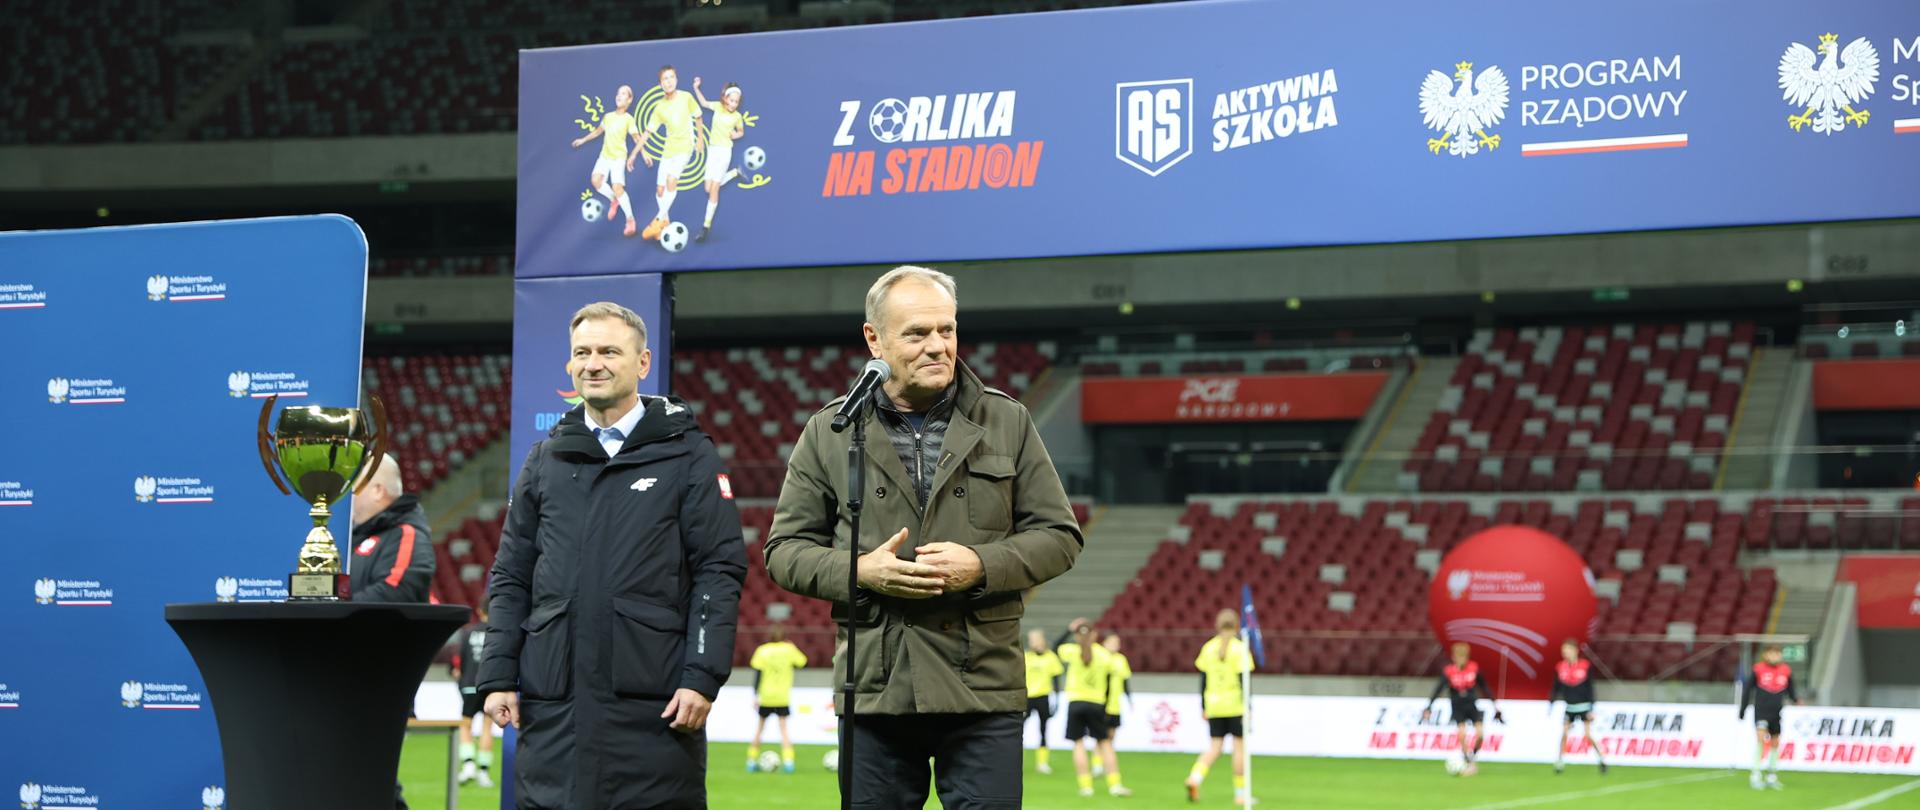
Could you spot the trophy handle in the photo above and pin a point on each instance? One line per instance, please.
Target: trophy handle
(379, 448)
(266, 445)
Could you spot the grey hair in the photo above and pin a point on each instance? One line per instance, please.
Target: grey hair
(609, 309)
(877, 294)
(388, 475)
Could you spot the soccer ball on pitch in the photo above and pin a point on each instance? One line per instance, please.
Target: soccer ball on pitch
(674, 237)
(888, 119)
(1456, 763)
(754, 159)
(831, 761)
(769, 761)
(592, 209)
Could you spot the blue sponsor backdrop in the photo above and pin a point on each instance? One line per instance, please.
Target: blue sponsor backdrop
(1363, 173)
(542, 308)
(280, 300)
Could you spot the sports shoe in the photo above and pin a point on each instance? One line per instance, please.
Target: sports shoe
(1245, 801)
(1559, 769)
(1119, 790)
(1773, 781)
(786, 767)
(753, 766)
(1043, 769)
(628, 231)
(613, 207)
(1755, 783)
(1193, 791)
(1086, 793)
(467, 772)
(1603, 769)
(1471, 769)
(702, 236)
(484, 780)
(653, 229)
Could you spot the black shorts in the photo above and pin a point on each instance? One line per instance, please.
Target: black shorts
(1770, 722)
(775, 711)
(1218, 727)
(471, 703)
(1467, 711)
(1113, 722)
(1042, 706)
(1086, 720)
(1575, 717)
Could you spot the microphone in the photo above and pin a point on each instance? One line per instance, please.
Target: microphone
(876, 372)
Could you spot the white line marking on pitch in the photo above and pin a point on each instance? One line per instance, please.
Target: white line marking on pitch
(1588, 794)
(1877, 798)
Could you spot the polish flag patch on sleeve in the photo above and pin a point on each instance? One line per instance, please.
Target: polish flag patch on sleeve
(726, 486)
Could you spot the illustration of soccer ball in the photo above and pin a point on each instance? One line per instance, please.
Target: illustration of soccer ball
(831, 761)
(754, 159)
(888, 119)
(769, 761)
(1456, 763)
(592, 209)
(674, 237)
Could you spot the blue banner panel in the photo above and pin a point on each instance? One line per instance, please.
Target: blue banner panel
(136, 363)
(1223, 125)
(542, 309)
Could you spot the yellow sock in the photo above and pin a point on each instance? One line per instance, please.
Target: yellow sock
(1239, 783)
(1198, 774)
(1040, 756)
(786, 754)
(753, 753)
(1086, 782)
(1113, 779)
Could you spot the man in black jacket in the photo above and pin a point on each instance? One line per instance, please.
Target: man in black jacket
(392, 547)
(615, 590)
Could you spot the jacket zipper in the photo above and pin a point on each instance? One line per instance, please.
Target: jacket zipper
(700, 644)
(919, 471)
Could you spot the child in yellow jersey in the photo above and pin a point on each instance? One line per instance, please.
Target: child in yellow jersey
(679, 116)
(1042, 667)
(1222, 661)
(1089, 676)
(774, 663)
(615, 158)
(729, 125)
(1117, 692)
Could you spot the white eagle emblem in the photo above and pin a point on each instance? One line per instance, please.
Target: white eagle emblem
(1457, 583)
(1828, 89)
(238, 383)
(143, 488)
(57, 389)
(1463, 115)
(130, 694)
(43, 590)
(157, 288)
(213, 798)
(30, 796)
(226, 589)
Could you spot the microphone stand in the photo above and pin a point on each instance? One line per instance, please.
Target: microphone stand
(856, 498)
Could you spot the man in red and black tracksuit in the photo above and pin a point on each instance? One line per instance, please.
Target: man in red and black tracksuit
(392, 547)
(1767, 688)
(1461, 683)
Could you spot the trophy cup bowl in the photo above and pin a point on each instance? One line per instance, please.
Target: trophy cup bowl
(321, 453)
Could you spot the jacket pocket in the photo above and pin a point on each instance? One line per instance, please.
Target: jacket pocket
(648, 644)
(990, 492)
(993, 639)
(546, 657)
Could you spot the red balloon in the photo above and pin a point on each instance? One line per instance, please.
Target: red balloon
(1514, 593)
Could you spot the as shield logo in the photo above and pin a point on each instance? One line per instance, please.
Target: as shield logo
(1827, 82)
(239, 383)
(157, 288)
(143, 488)
(130, 694)
(30, 796)
(213, 797)
(1153, 124)
(43, 590)
(226, 589)
(57, 389)
(1463, 115)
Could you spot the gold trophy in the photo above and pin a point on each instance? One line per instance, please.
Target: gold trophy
(321, 452)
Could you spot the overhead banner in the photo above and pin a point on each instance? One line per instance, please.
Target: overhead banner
(542, 311)
(1215, 125)
(1866, 385)
(1886, 589)
(1250, 398)
(136, 364)
(1681, 735)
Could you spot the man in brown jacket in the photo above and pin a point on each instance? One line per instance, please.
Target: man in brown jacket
(964, 516)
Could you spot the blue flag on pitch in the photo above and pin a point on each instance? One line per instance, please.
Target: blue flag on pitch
(1250, 623)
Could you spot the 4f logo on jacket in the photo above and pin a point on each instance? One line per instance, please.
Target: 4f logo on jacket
(644, 484)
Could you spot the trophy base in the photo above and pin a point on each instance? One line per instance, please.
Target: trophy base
(316, 587)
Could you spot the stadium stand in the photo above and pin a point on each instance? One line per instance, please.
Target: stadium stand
(443, 409)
